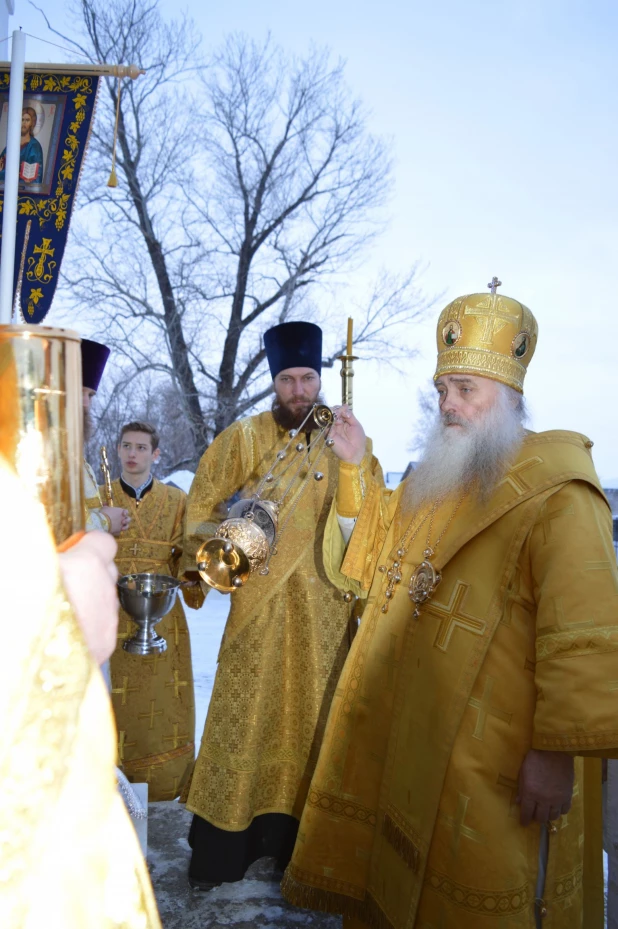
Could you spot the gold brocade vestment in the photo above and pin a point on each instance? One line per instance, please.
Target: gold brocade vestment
(70, 856)
(284, 643)
(153, 696)
(411, 820)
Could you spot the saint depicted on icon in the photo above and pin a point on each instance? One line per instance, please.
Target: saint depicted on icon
(31, 152)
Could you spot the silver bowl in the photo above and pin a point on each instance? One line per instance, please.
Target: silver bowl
(147, 598)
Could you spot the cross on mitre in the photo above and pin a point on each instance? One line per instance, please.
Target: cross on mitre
(493, 316)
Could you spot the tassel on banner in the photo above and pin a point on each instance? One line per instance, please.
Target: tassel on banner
(20, 273)
(113, 179)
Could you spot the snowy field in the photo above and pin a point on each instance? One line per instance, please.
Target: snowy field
(206, 627)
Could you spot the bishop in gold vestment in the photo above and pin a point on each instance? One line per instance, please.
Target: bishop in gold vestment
(153, 696)
(414, 815)
(285, 640)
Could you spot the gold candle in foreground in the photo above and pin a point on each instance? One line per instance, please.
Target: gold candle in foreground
(348, 350)
(41, 419)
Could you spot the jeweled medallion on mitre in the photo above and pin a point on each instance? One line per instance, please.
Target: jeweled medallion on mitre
(451, 333)
(520, 344)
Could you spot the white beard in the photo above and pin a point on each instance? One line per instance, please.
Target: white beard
(471, 459)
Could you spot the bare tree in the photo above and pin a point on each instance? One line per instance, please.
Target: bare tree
(246, 184)
(427, 401)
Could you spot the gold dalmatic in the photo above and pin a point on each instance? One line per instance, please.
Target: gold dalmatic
(153, 697)
(284, 644)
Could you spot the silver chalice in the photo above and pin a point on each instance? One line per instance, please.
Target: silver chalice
(147, 598)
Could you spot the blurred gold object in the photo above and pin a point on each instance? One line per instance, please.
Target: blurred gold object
(245, 542)
(41, 419)
(107, 477)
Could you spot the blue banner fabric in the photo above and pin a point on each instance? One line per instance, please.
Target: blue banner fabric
(56, 118)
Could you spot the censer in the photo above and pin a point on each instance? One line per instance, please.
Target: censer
(245, 542)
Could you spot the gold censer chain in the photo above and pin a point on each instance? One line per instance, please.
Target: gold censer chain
(425, 578)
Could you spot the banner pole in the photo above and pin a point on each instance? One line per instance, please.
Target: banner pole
(11, 176)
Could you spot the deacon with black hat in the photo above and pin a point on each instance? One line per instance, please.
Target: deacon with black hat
(284, 643)
(112, 519)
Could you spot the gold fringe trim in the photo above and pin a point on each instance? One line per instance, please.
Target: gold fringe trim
(402, 843)
(368, 910)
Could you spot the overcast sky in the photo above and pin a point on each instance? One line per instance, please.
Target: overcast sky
(503, 119)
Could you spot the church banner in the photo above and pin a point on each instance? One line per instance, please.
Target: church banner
(56, 118)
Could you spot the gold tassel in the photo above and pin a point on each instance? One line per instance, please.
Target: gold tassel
(403, 844)
(113, 180)
(367, 911)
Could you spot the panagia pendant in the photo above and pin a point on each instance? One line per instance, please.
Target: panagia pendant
(423, 582)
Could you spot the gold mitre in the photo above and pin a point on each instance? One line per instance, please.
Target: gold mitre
(487, 334)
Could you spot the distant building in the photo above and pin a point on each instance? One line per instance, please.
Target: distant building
(612, 495)
(394, 478)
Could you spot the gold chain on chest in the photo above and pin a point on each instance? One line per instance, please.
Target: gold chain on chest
(425, 578)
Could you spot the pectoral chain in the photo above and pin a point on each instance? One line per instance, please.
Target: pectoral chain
(425, 578)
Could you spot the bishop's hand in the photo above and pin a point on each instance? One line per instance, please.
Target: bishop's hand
(545, 786)
(348, 436)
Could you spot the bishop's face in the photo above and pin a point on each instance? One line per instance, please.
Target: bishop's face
(297, 389)
(465, 400)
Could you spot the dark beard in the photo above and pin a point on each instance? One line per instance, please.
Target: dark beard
(291, 419)
(88, 426)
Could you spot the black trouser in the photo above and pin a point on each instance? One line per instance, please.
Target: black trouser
(220, 856)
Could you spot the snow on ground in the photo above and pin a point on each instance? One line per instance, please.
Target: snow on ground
(254, 903)
(206, 627)
(182, 479)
